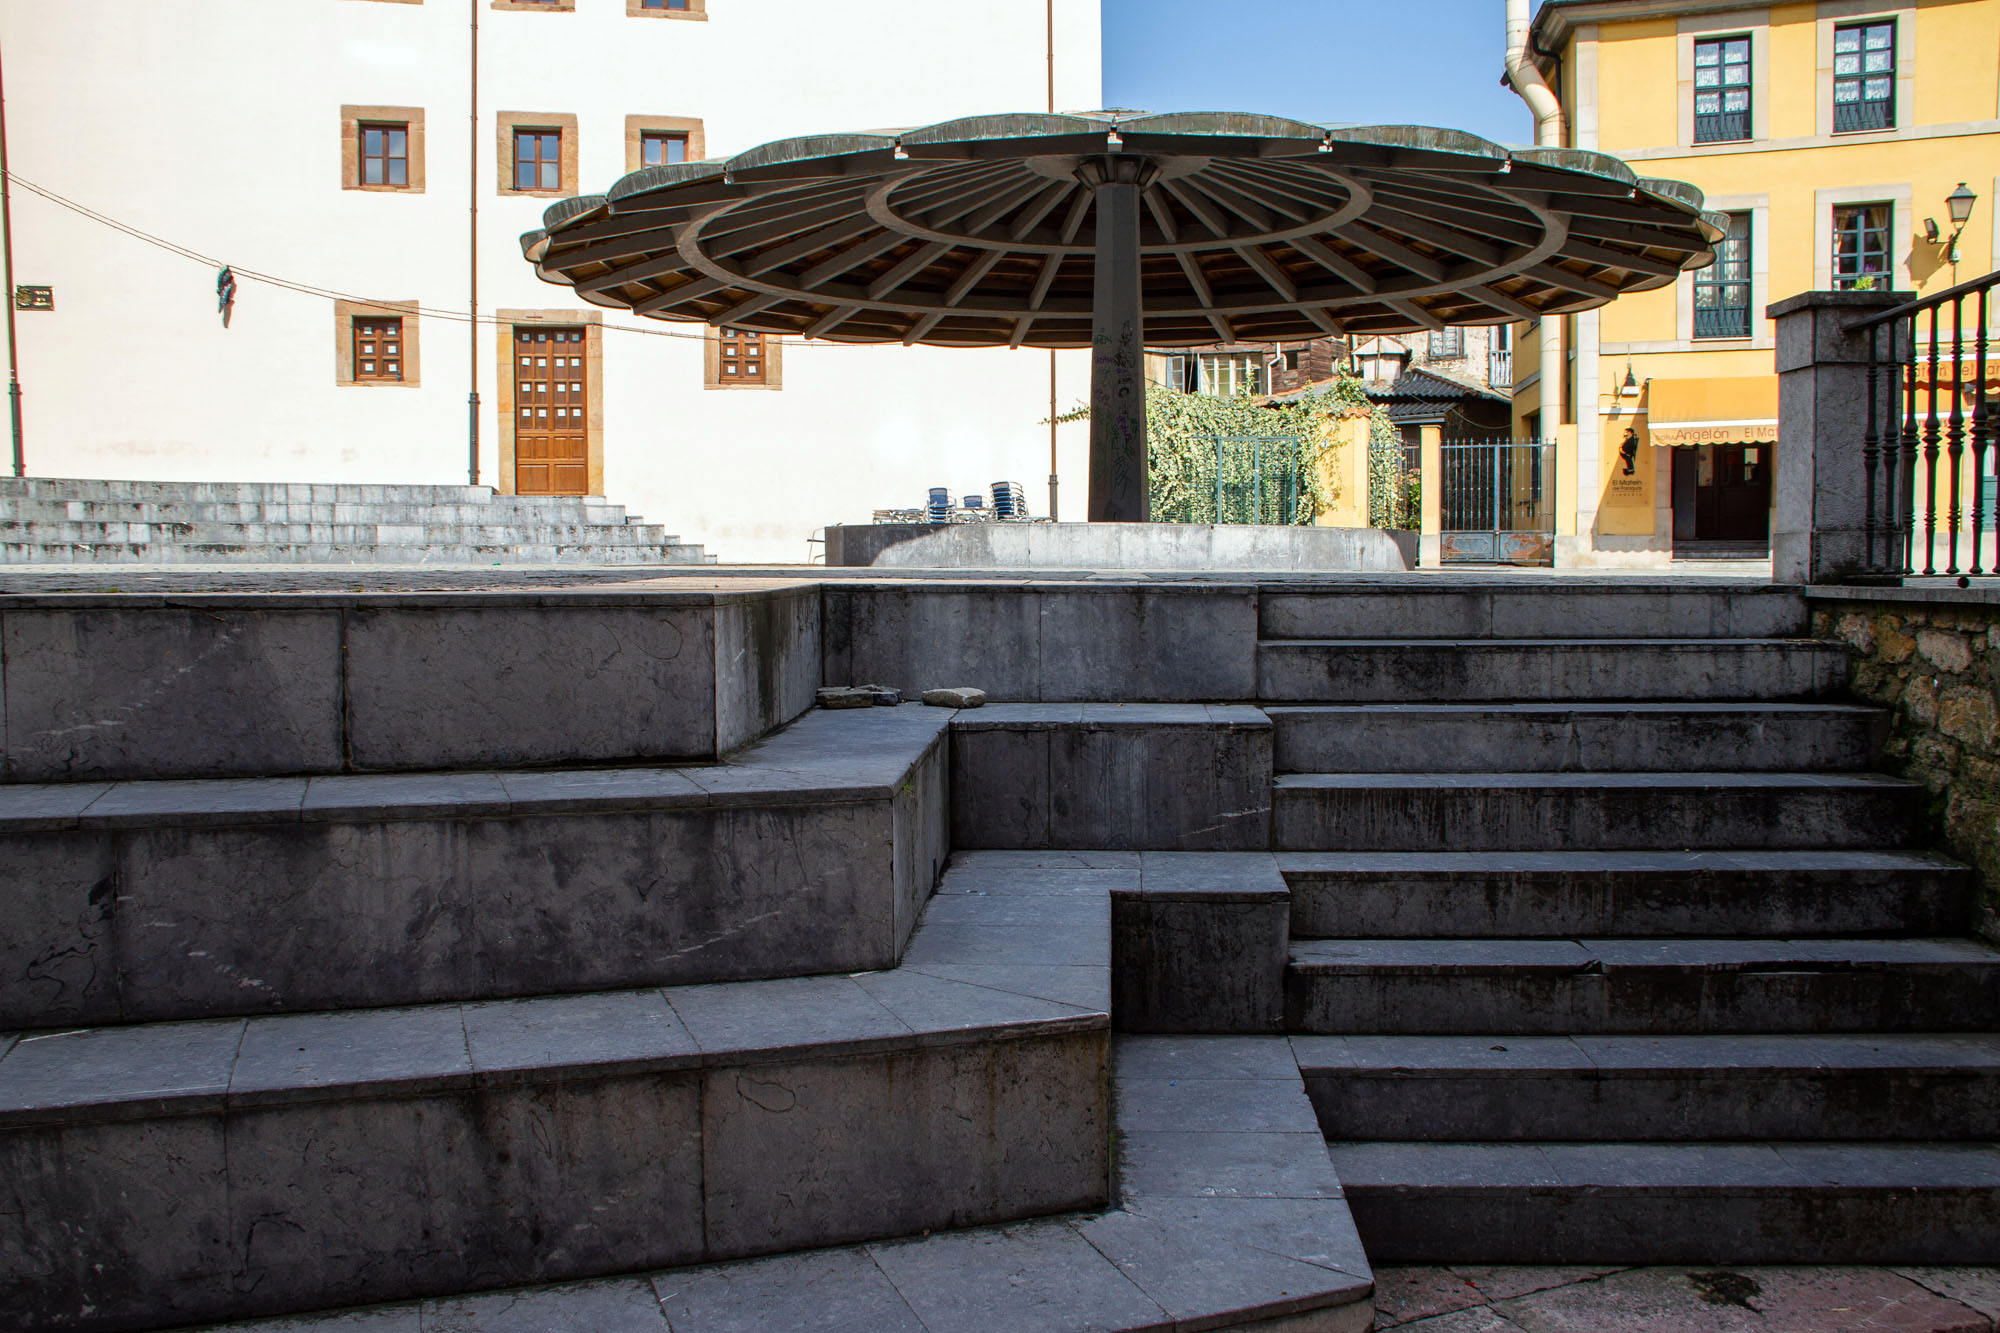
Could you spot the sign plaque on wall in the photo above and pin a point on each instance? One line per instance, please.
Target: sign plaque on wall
(34, 298)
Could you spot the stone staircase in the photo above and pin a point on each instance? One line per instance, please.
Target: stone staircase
(47, 520)
(1606, 947)
(490, 957)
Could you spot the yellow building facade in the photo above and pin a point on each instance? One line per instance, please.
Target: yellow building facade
(1833, 134)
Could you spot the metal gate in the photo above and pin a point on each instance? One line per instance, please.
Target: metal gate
(1498, 502)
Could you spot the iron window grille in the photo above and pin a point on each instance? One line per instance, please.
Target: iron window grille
(378, 349)
(1722, 290)
(385, 154)
(1861, 247)
(659, 149)
(1864, 77)
(538, 159)
(1722, 90)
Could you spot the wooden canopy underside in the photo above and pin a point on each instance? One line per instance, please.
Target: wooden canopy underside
(981, 233)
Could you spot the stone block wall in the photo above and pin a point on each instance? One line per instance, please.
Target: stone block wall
(1933, 659)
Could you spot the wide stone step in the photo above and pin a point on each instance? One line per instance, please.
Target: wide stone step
(205, 685)
(1591, 811)
(1693, 1203)
(176, 1172)
(139, 901)
(1082, 775)
(486, 532)
(1572, 737)
(502, 510)
(115, 553)
(1529, 609)
(1792, 1087)
(1464, 670)
(1638, 986)
(1513, 894)
(1233, 1224)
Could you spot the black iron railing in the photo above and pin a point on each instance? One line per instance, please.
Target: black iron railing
(1931, 401)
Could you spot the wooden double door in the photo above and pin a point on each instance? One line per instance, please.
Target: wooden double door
(551, 413)
(1722, 493)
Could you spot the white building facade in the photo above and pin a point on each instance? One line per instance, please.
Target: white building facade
(332, 145)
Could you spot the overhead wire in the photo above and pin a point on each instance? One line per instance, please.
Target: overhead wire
(327, 293)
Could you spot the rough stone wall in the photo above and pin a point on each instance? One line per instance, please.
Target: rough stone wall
(1937, 668)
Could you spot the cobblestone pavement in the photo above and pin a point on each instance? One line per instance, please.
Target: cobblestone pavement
(1694, 1300)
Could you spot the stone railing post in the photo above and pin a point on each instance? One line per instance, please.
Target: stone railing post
(1818, 533)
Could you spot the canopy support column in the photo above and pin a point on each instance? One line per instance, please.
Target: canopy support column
(1118, 464)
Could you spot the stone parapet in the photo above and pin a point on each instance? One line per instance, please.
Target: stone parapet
(1932, 657)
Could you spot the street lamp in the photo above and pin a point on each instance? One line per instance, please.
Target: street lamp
(1960, 202)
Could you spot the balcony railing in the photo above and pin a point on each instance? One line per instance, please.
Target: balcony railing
(1500, 368)
(1931, 401)
(1722, 127)
(1722, 321)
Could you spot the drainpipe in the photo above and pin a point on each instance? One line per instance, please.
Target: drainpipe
(1525, 78)
(472, 267)
(13, 344)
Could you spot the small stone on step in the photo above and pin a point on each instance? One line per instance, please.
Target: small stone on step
(958, 696)
(846, 696)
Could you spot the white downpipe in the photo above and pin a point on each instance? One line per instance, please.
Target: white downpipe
(1525, 78)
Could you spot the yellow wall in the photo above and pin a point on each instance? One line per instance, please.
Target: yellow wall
(1949, 131)
(1630, 57)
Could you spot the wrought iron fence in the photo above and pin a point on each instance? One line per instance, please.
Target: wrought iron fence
(1243, 479)
(1497, 501)
(1395, 482)
(1931, 401)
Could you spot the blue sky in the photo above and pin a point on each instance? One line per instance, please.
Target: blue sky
(1421, 62)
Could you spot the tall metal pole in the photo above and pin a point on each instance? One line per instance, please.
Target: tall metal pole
(472, 250)
(1118, 481)
(7, 245)
(1054, 512)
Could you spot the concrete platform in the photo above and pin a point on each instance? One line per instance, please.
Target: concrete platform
(1236, 1224)
(105, 687)
(181, 1171)
(1125, 546)
(812, 851)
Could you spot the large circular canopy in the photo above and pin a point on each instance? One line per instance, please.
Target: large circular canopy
(981, 232)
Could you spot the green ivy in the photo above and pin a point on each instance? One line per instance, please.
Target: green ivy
(1182, 430)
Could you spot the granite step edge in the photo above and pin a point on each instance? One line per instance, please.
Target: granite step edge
(820, 758)
(1229, 1227)
(191, 1067)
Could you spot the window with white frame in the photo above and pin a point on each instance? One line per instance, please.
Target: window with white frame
(1226, 374)
(1864, 77)
(1861, 246)
(1722, 290)
(1722, 89)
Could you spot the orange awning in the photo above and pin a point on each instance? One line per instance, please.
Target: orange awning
(1685, 413)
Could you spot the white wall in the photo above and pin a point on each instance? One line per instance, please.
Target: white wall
(215, 124)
